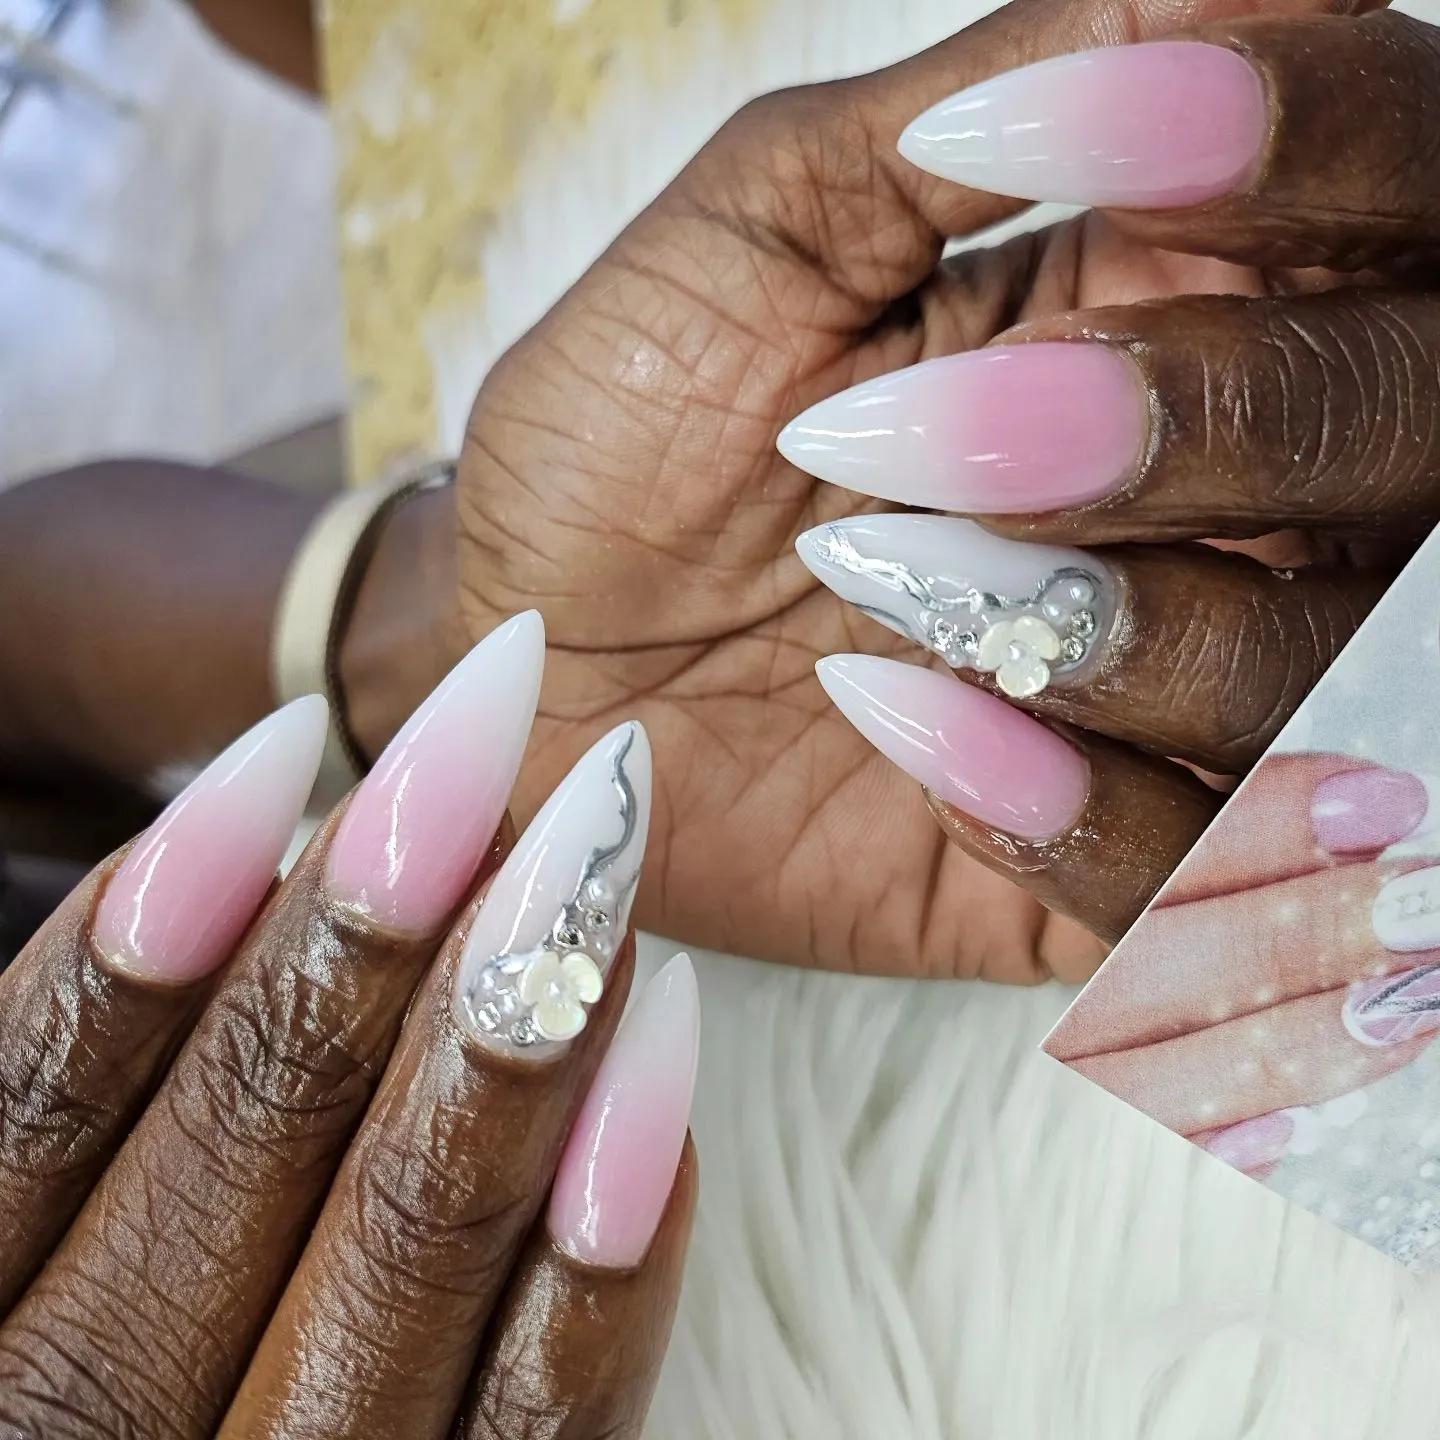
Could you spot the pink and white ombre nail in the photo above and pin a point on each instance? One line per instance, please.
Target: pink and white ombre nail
(543, 942)
(415, 833)
(187, 892)
(620, 1162)
(1007, 430)
(970, 749)
(1165, 124)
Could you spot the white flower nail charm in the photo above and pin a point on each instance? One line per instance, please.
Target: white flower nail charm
(1018, 653)
(558, 990)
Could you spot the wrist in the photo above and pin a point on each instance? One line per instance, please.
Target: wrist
(405, 630)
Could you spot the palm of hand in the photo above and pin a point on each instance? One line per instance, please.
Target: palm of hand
(620, 474)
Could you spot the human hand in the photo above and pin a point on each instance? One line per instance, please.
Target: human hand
(619, 474)
(1307, 991)
(271, 1156)
(1308, 406)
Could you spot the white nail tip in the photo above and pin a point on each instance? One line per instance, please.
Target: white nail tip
(1028, 614)
(1406, 913)
(552, 923)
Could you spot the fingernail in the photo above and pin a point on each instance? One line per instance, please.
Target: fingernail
(1028, 614)
(1406, 912)
(1157, 125)
(1253, 1143)
(1010, 430)
(972, 750)
(1395, 1009)
(549, 929)
(186, 893)
(1367, 810)
(619, 1165)
(417, 830)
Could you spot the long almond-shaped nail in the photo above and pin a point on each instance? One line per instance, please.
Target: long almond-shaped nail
(417, 830)
(1028, 614)
(1394, 1009)
(1253, 1144)
(186, 893)
(970, 749)
(549, 929)
(1009, 430)
(1406, 914)
(1158, 125)
(619, 1165)
(1361, 811)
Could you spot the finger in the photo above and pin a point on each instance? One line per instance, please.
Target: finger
(1206, 416)
(1300, 1053)
(95, 1006)
(856, 128)
(1260, 947)
(577, 1342)
(1187, 651)
(448, 1172)
(1230, 138)
(1299, 813)
(143, 1319)
(1255, 1147)
(1090, 827)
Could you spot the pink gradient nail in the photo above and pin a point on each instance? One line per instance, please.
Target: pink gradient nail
(1395, 1008)
(976, 752)
(619, 1165)
(1166, 124)
(1012, 429)
(186, 893)
(1253, 1144)
(413, 838)
(1366, 810)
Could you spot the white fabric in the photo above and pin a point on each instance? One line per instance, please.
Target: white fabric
(913, 1224)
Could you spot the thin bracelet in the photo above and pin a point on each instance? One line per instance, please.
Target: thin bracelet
(315, 606)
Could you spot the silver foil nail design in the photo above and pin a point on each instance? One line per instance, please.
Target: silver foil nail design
(1047, 630)
(549, 930)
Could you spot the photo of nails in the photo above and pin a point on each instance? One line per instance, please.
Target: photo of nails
(1278, 1001)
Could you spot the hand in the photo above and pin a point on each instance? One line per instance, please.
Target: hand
(619, 474)
(1295, 1002)
(270, 1156)
(1309, 406)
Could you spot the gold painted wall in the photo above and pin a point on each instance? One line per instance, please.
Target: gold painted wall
(435, 104)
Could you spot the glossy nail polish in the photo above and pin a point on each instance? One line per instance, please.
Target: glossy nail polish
(1158, 125)
(544, 940)
(415, 832)
(1255, 1143)
(619, 1165)
(1009, 430)
(1028, 614)
(1394, 1009)
(1361, 811)
(189, 889)
(970, 749)
(1406, 914)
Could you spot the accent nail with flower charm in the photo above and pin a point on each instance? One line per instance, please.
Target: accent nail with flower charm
(549, 930)
(1028, 614)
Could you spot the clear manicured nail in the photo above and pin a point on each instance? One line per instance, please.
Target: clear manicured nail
(1009, 430)
(619, 1165)
(1252, 1144)
(417, 830)
(1158, 125)
(186, 893)
(1361, 811)
(971, 749)
(1394, 1009)
(549, 929)
(1406, 913)
(1028, 614)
